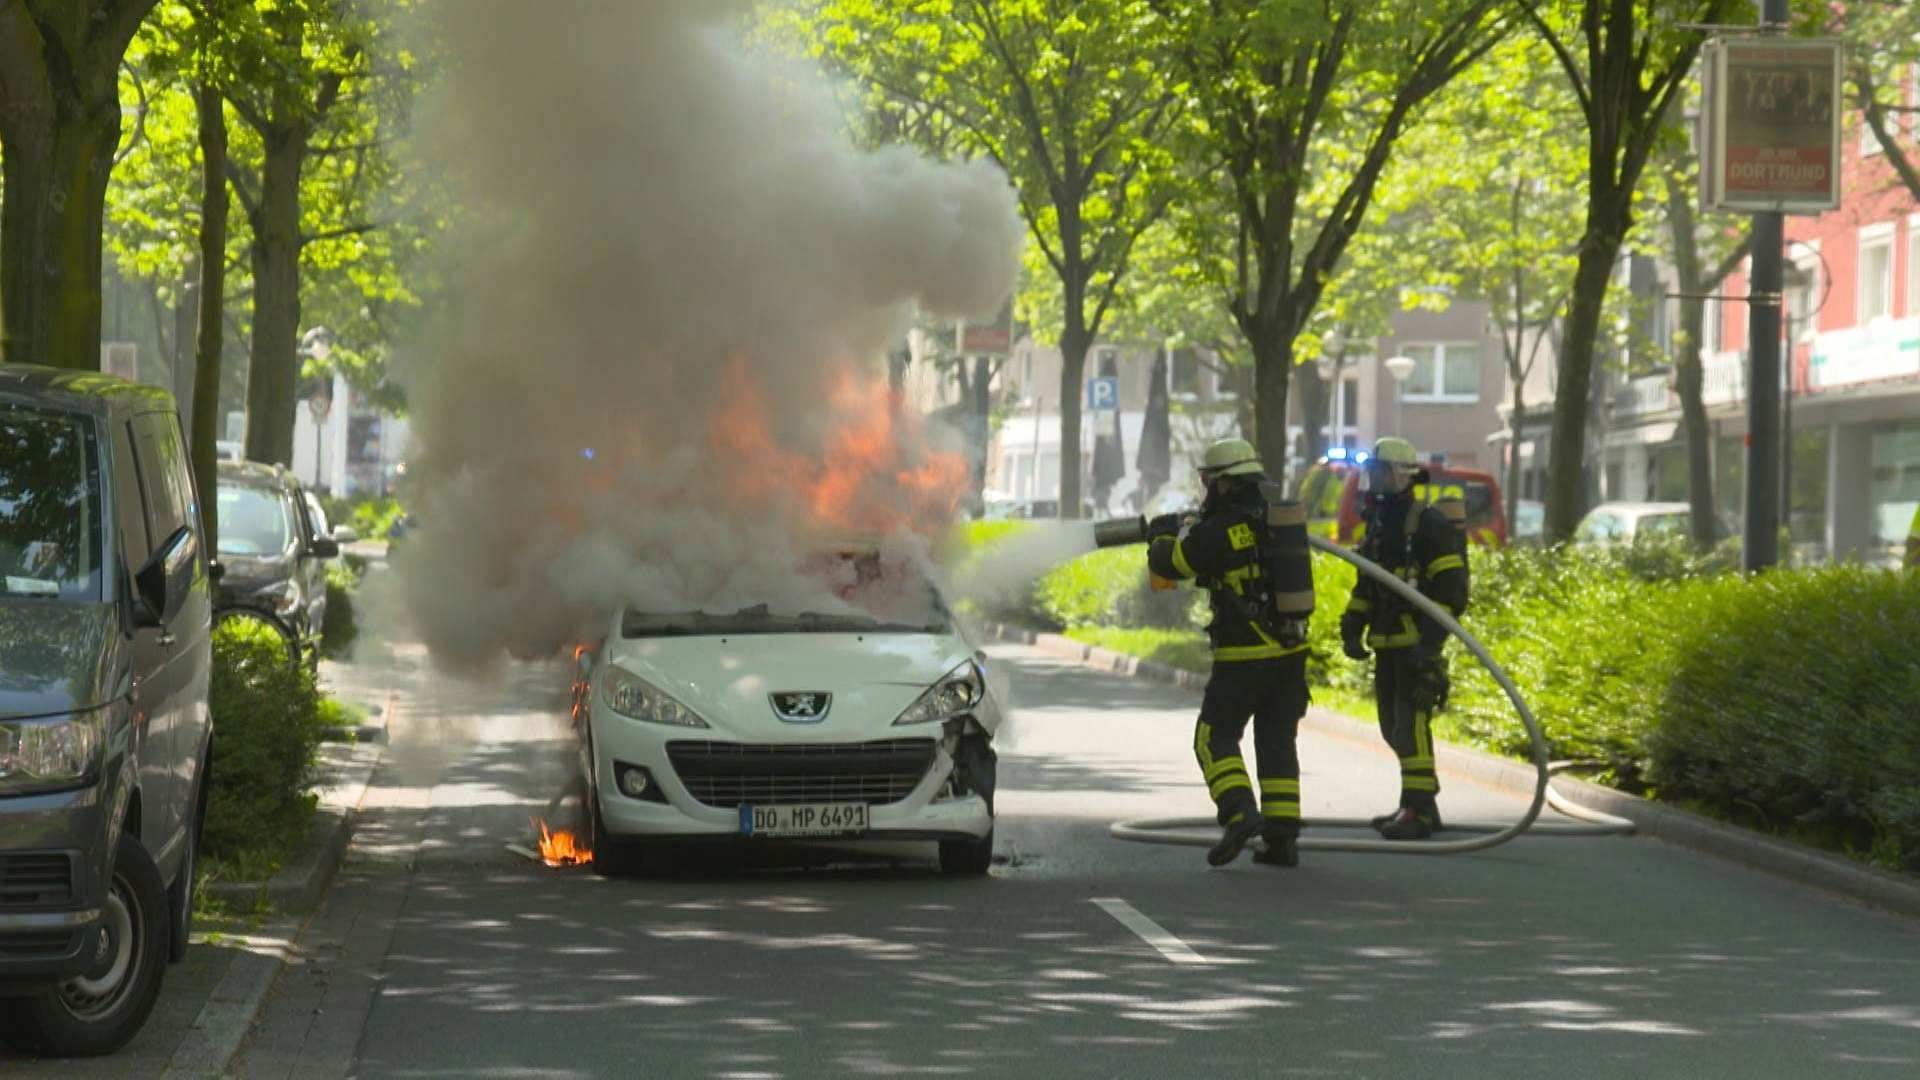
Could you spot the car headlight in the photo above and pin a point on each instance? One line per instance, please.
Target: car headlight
(957, 691)
(633, 697)
(47, 755)
(281, 596)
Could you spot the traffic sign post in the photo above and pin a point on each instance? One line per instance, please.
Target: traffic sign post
(1103, 393)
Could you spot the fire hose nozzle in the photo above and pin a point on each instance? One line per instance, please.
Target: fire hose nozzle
(1120, 532)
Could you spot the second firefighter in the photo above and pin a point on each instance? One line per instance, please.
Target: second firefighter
(1424, 546)
(1248, 549)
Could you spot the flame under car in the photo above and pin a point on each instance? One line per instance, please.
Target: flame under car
(869, 721)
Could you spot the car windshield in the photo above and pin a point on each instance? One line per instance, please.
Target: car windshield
(49, 506)
(253, 521)
(866, 595)
(1662, 525)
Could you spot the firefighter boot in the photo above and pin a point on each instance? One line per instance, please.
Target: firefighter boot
(1410, 824)
(1381, 821)
(1282, 845)
(1244, 827)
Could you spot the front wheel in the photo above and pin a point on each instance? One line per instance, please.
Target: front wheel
(89, 1015)
(966, 858)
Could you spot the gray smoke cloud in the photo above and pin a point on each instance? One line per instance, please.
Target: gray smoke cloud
(668, 305)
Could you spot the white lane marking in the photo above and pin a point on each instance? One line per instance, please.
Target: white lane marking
(1149, 931)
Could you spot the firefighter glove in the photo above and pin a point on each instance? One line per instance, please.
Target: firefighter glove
(1164, 525)
(1353, 635)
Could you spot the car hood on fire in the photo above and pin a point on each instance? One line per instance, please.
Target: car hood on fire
(728, 680)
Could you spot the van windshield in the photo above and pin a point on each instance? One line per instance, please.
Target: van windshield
(49, 506)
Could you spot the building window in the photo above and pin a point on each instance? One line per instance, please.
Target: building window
(1875, 276)
(1804, 287)
(1448, 373)
(1183, 375)
(1913, 257)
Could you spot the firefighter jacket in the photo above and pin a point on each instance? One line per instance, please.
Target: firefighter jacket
(1221, 553)
(1423, 546)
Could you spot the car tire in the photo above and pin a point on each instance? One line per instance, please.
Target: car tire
(180, 896)
(966, 858)
(88, 1017)
(612, 858)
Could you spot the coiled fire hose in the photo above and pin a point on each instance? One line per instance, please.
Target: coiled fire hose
(1203, 831)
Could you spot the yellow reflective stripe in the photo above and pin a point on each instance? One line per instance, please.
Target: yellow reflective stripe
(1285, 811)
(1407, 635)
(1202, 736)
(1417, 761)
(1422, 736)
(1281, 786)
(1445, 563)
(1225, 764)
(1230, 653)
(1419, 783)
(1180, 562)
(1237, 579)
(1228, 783)
(1359, 604)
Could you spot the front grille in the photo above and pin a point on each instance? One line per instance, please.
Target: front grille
(36, 880)
(36, 944)
(729, 774)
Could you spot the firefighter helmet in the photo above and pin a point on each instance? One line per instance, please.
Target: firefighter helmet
(1230, 457)
(1394, 450)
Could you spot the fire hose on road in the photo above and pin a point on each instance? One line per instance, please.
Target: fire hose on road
(1202, 831)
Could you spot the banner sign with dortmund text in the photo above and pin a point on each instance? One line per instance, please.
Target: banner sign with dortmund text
(1771, 124)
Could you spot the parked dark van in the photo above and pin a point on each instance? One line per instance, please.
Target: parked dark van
(106, 606)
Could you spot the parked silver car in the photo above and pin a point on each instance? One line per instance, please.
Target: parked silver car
(106, 605)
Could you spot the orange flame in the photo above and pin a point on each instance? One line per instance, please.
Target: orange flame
(872, 476)
(559, 848)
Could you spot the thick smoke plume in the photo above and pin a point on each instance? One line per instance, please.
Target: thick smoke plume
(658, 379)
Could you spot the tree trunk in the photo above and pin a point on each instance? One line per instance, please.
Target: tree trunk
(1272, 368)
(1567, 449)
(274, 379)
(1515, 425)
(1074, 343)
(57, 160)
(1316, 412)
(213, 296)
(1689, 378)
(980, 409)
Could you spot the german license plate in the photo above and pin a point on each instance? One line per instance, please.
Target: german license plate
(803, 819)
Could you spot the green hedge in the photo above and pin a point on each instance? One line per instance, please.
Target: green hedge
(266, 717)
(339, 629)
(1794, 702)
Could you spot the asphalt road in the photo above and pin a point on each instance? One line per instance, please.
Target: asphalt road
(441, 953)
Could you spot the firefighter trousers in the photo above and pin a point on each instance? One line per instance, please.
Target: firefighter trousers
(1406, 723)
(1273, 694)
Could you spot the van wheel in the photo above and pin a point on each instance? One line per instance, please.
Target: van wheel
(966, 858)
(83, 1016)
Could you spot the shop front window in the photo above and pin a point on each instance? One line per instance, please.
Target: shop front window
(1895, 490)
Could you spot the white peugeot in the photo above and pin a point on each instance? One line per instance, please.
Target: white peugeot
(873, 720)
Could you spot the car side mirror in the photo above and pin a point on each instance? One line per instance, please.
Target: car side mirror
(216, 570)
(161, 586)
(345, 534)
(324, 547)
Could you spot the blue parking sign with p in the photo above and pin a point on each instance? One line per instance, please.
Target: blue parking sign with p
(1103, 393)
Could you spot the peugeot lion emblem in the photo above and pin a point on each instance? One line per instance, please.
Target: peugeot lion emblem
(801, 706)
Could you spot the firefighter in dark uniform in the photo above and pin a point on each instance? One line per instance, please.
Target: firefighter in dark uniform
(1425, 546)
(1248, 549)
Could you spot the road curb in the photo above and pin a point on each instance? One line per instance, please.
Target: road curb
(1821, 870)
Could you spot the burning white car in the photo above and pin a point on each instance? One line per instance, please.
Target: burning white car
(872, 720)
